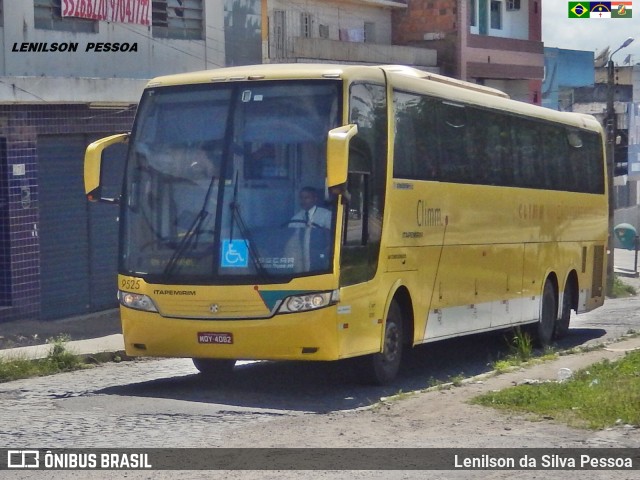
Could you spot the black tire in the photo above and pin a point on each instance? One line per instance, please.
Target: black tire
(381, 368)
(214, 368)
(562, 324)
(542, 331)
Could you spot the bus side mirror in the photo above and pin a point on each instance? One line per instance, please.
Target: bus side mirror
(338, 154)
(93, 166)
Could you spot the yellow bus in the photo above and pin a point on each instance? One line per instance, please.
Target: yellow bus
(321, 212)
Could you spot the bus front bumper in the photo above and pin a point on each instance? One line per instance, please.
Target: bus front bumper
(311, 335)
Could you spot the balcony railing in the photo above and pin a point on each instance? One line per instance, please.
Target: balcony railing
(300, 49)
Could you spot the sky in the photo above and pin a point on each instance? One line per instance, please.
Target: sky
(590, 34)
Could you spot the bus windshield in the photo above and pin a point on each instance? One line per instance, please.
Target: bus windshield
(226, 183)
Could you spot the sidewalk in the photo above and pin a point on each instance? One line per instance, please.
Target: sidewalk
(624, 261)
(91, 346)
(92, 333)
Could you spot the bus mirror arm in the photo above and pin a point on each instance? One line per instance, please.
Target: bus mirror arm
(93, 167)
(338, 154)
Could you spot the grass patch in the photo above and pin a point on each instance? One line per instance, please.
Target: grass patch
(604, 394)
(522, 345)
(58, 360)
(521, 352)
(621, 289)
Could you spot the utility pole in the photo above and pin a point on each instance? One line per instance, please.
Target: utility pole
(610, 125)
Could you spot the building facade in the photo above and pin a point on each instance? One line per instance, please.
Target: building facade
(333, 31)
(491, 42)
(68, 76)
(565, 70)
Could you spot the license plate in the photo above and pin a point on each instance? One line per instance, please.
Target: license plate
(219, 338)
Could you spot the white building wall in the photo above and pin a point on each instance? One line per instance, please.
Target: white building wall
(515, 23)
(155, 56)
(337, 16)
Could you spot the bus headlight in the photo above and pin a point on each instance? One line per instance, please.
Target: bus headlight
(310, 301)
(137, 301)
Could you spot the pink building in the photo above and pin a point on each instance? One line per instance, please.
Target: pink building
(492, 42)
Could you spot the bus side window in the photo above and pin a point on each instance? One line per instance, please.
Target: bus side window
(357, 215)
(455, 164)
(528, 153)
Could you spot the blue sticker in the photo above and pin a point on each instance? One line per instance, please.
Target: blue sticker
(235, 254)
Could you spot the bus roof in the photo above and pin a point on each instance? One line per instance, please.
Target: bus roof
(415, 79)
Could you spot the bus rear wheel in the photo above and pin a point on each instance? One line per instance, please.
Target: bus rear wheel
(562, 324)
(542, 331)
(214, 368)
(381, 368)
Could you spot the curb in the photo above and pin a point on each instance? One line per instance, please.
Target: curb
(94, 346)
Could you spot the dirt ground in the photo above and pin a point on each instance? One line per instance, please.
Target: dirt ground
(443, 418)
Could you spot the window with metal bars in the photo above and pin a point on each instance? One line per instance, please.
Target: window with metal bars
(496, 15)
(279, 35)
(513, 5)
(306, 25)
(48, 16)
(177, 19)
(369, 32)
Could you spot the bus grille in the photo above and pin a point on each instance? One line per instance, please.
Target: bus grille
(212, 310)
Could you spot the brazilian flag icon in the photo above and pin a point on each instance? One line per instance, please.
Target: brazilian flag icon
(578, 9)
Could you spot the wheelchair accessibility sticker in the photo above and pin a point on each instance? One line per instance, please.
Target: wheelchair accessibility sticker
(235, 254)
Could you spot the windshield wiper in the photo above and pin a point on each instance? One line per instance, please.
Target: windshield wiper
(245, 233)
(191, 233)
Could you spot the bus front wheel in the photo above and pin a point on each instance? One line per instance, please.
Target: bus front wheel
(214, 368)
(381, 368)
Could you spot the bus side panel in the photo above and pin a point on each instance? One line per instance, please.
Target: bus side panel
(360, 319)
(592, 277)
(414, 268)
(478, 288)
(534, 272)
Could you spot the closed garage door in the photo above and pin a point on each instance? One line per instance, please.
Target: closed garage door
(78, 240)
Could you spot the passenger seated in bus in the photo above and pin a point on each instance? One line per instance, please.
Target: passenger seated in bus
(309, 245)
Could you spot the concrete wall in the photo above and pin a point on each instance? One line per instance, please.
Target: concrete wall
(565, 69)
(511, 57)
(344, 40)
(155, 56)
(315, 49)
(424, 18)
(515, 23)
(345, 21)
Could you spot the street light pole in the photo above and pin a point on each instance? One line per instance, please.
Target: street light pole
(610, 124)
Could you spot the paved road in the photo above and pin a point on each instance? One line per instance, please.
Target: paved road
(164, 403)
(158, 403)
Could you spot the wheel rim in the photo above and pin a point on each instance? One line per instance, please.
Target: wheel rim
(391, 343)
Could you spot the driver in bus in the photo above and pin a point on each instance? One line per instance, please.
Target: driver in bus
(310, 243)
(310, 214)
